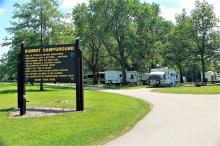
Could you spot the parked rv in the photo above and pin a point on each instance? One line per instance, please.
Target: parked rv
(115, 77)
(218, 77)
(144, 78)
(132, 77)
(88, 77)
(163, 77)
(212, 76)
(177, 78)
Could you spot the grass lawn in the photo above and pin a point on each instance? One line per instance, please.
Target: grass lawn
(190, 90)
(117, 86)
(106, 117)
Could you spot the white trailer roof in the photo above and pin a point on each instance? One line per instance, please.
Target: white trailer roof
(157, 73)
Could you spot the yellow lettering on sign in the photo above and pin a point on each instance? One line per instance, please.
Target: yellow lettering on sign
(60, 49)
(32, 51)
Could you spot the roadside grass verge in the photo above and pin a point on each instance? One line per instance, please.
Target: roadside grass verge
(105, 86)
(106, 116)
(190, 90)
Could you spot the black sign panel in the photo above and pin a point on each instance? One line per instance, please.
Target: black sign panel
(50, 64)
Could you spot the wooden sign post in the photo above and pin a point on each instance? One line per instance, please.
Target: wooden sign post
(54, 63)
(21, 81)
(79, 77)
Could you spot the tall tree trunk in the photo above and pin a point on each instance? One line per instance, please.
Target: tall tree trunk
(152, 66)
(123, 69)
(122, 62)
(95, 76)
(203, 68)
(181, 73)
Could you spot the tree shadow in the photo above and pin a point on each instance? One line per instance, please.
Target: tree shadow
(41, 112)
(50, 110)
(12, 91)
(8, 91)
(6, 110)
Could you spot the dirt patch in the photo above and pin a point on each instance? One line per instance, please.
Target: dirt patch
(40, 112)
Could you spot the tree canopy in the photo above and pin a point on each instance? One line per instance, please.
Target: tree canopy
(120, 35)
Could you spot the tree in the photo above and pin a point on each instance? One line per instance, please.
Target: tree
(26, 26)
(117, 27)
(180, 43)
(204, 23)
(87, 23)
(150, 34)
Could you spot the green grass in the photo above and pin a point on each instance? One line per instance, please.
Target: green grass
(106, 116)
(104, 86)
(190, 90)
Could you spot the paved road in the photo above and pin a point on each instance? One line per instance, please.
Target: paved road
(176, 119)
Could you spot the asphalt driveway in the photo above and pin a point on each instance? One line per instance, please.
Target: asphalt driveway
(176, 119)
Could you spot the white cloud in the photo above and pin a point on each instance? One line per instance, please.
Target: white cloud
(170, 13)
(2, 11)
(72, 3)
(3, 50)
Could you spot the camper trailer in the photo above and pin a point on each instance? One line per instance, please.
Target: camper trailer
(144, 78)
(212, 76)
(88, 77)
(163, 77)
(115, 77)
(218, 78)
(177, 78)
(132, 77)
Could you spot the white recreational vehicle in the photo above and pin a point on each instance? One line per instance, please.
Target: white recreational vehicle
(144, 78)
(88, 77)
(218, 77)
(211, 76)
(163, 77)
(115, 77)
(132, 77)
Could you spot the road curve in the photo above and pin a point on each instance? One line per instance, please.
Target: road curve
(176, 119)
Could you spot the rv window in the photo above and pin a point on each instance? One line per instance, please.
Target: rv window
(120, 75)
(102, 75)
(155, 77)
(164, 77)
(90, 76)
(132, 76)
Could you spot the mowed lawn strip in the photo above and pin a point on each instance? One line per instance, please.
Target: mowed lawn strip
(106, 86)
(190, 90)
(106, 116)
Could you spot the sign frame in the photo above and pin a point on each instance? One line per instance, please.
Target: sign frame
(78, 76)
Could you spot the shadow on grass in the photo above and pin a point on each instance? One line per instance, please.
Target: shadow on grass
(12, 91)
(52, 110)
(8, 91)
(154, 87)
(41, 112)
(6, 110)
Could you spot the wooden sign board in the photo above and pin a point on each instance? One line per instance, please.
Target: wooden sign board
(50, 63)
(55, 63)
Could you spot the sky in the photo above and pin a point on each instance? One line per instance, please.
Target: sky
(169, 8)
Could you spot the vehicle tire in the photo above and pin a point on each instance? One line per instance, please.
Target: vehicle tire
(110, 82)
(171, 84)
